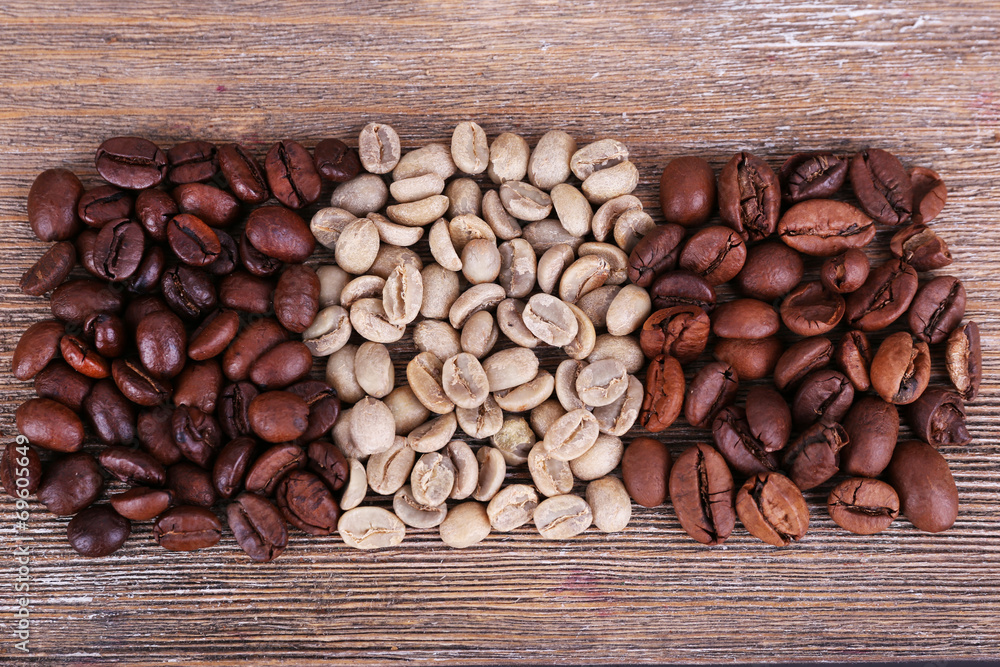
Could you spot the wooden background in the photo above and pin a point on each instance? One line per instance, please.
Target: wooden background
(921, 78)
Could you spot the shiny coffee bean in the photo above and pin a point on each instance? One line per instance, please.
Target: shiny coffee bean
(711, 389)
(98, 531)
(141, 306)
(814, 457)
(52, 202)
(882, 186)
(872, 428)
(883, 298)
(282, 365)
(701, 489)
(187, 528)
(154, 209)
(231, 466)
(682, 288)
(307, 503)
(70, 484)
(901, 368)
(749, 196)
(771, 270)
(108, 334)
(680, 332)
(920, 247)
(190, 484)
(50, 270)
(273, 465)
(111, 415)
(853, 357)
(62, 384)
(243, 173)
(131, 162)
(937, 309)
(246, 292)
(745, 318)
(192, 162)
(162, 344)
(938, 418)
(296, 298)
(20, 470)
(214, 207)
(103, 205)
(214, 335)
(327, 461)
(252, 342)
(234, 407)
(83, 359)
(155, 431)
(664, 396)
(139, 385)
(292, 174)
(810, 310)
(192, 241)
(751, 358)
(278, 416)
(38, 345)
(715, 253)
(772, 509)
(336, 161)
(738, 445)
(655, 253)
(140, 503)
(132, 466)
(928, 496)
(687, 191)
(646, 471)
(196, 434)
(280, 233)
(198, 385)
(929, 194)
(188, 291)
(324, 408)
(229, 256)
(75, 300)
(846, 272)
(824, 395)
(816, 175)
(255, 261)
(825, 227)
(148, 275)
(863, 506)
(258, 526)
(769, 417)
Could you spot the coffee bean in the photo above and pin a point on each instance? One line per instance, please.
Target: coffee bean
(20, 462)
(140, 503)
(324, 408)
(920, 247)
(278, 416)
(900, 369)
(190, 484)
(70, 484)
(771, 270)
(192, 241)
(872, 427)
(938, 418)
(664, 394)
(711, 389)
(154, 209)
(196, 434)
(772, 509)
(279, 233)
(63, 384)
(679, 331)
(131, 162)
(824, 395)
(816, 175)
(189, 292)
(814, 457)
(292, 174)
(75, 300)
(963, 359)
(715, 253)
(687, 191)
(656, 253)
(825, 227)
(132, 466)
(646, 470)
(98, 531)
(192, 161)
(738, 445)
(882, 186)
(234, 406)
(929, 194)
(249, 345)
(928, 496)
(846, 272)
(49, 425)
(108, 333)
(50, 270)
(745, 318)
(372, 427)
(155, 431)
(937, 309)
(52, 203)
(149, 274)
(258, 527)
(335, 161)
(307, 503)
(863, 506)
(329, 463)
(513, 507)
(104, 205)
(232, 464)
(282, 365)
(371, 528)
(214, 334)
(83, 359)
(749, 196)
(243, 173)
(752, 359)
(187, 528)
(378, 148)
(854, 357)
(162, 344)
(508, 159)
(701, 489)
(38, 345)
(549, 164)
(199, 385)
(885, 296)
(769, 417)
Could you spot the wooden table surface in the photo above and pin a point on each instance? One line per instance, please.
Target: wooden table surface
(917, 77)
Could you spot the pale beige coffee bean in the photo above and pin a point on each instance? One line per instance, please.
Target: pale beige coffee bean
(378, 148)
(600, 459)
(616, 258)
(373, 368)
(372, 427)
(630, 227)
(356, 489)
(628, 310)
(586, 337)
(572, 209)
(357, 246)
(432, 478)
(340, 374)
(423, 373)
(387, 471)
(567, 374)
(544, 415)
(514, 440)
(610, 504)
(418, 213)
(606, 184)
(327, 224)
(550, 319)
(368, 317)
(544, 234)
(437, 337)
(480, 261)
(466, 228)
(603, 222)
(562, 517)
(602, 382)
(504, 225)
(552, 264)
(466, 469)
(512, 507)
(391, 256)
(332, 280)
(482, 422)
(464, 381)
(527, 396)
(509, 368)
(625, 349)
(485, 296)
(524, 201)
(341, 434)
(465, 197)
(571, 435)
(362, 287)
(550, 476)
(330, 331)
(434, 434)
(583, 276)
(361, 195)
(403, 294)
(596, 303)
(416, 188)
(549, 162)
(509, 155)
(597, 156)
(469, 148)
(492, 471)
(370, 528)
(466, 524)
(442, 248)
(618, 417)
(407, 412)
(393, 234)
(441, 288)
(518, 268)
(434, 158)
(512, 325)
(479, 334)
(415, 515)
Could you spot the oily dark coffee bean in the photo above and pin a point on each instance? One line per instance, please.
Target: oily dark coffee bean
(327, 461)
(162, 344)
(282, 365)
(98, 531)
(76, 300)
(188, 291)
(258, 526)
(156, 435)
(214, 335)
(863, 506)
(83, 359)
(187, 528)
(679, 331)
(655, 253)
(324, 407)
(234, 407)
(745, 318)
(50, 270)
(752, 358)
(191, 485)
(815, 175)
(255, 261)
(246, 292)
(853, 357)
(901, 369)
(70, 483)
(646, 471)
(192, 162)
(824, 395)
(749, 196)
(292, 174)
(131, 162)
(711, 389)
(811, 310)
(139, 385)
(196, 434)
(664, 397)
(280, 234)
(192, 241)
(938, 418)
(882, 186)
(883, 298)
(154, 209)
(296, 298)
(214, 207)
(141, 503)
(132, 466)
(682, 288)
(715, 253)
(814, 457)
(964, 360)
(335, 161)
(229, 256)
(52, 202)
(231, 466)
(771, 270)
(38, 345)
(772, 509)
(61, 383)
(825, 227)
(307, 503)
(85, 251)
(769, 417)
(199, 385)
(738, 445)
(256, 339)
(243, 173)
(687, 191)
(846, 272)
(20, 469)
(920, 247)
(802, 358)
(108, 334)
(701, 489)
(278, 416)
(937, 309)
(273, 465)
(103, 205)
(111, 415)
(928, 496)
(929, 194)
(872, 427)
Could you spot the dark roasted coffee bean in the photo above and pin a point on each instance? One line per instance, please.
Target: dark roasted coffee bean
(231, 466)
(846, 272)
(155, 208)
(255, 261)
(772, 509)
(715, 253)
(61, 383)
(209, 204)
(85, 251)
(824, 395)
(664, 396)
(131, 162)
(825, 227)
(37, 346)
(964, 360)
(655, 253)
(326, 460)
(937, 309)
(20, 470)
(215, 333)
(751, 358)
(229, 256)
(296, 298)
(98, 531)
(646, 471)
(196, 434)
(872, 427)
(138, 385)
(188, 291)
(901, 369)
(738, 445)
(192, 241)
(70, 483)
(745, 318)
(162, 343)
(83, 359)
(75, 300)
(111, 414)
(249, 345)
(854, 357)
(701, 489)
(749, 196)
(769, 417)
(149, 274)
(687, 191)
(280, 233)
(814, 456)
(108, 334)
(50, 270)
(282, 365)
(307, 503)
(815, 175)
(246, 292)
(679, 331)
(52, 202)
(190, 485)
(882, 186)
(938, 418)
(156, 435)
(711, 389)
(803, 357)
(324, 407)
(863, 506)
(187, 528)
(810, 310)
(929, 194)
(140, 503)
(272, 466)
(335, 161)
(883, 298)
(771, 270)
(243, 173)
(103, 205)
(192, 161)
(258, 526)
(920, 247)
(292, 174)
(278, 416)
(198, 385)
(132, 466)
(682, 288)
(49, 425)
(234, 406)
(928, 496)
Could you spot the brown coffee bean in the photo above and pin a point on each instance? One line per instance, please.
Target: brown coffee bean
(83, 359)
(687, 191)
(38, 345)
(246, 292)
(711, 389)
(883, 298)
(154, 429)
(280, 233)
(214, 335)
(63, 384)
(928, 496)
(76, 300)
(138, 385)
(664, 394)
(814, 457)
(49, 425)
(282, 365)
(154, 209)
(307, 503)
(677, 288)
(872, 427)
(292, 174)
(140, 503)
(149, 273)
(196, 434)
(929, 194)
(187, 528)
(192, 241)
(846, 272)
(230, 468)
(771, 270)
(824, 395)
(825, 227)
(920, 247)
(243, 173)
(800, 359)
(190, 484)
(863, 506)
(192, 161)
(278, 416)
(98, 531)
(107, 332)
(811, 310)
(701, 489)
(715, 253)
(20, 470)
(132, 466)
(70, 484)
(327, 461)
(745, 318)
(937, 309)
(964, 360)
(258, 526)
(749, 196)
(655, 254)
(772, 509)
(938, 418)
(52, 202)
(199, 385)
(744, 452)
(162, 343)
(234, 406)
(131, 162)
(50, 270)
(769, 417)
(882, 186)
(189, 292)
(104, 205)
(214, 207)
(646, 471)
(679, 331)
(854, 357)
(335, 161)
(900, 369)
(256, 339)
(752, 359)
(816, 175)
(296, 298)
(273, 465)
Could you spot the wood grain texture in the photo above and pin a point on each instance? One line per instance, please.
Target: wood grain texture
(917, 77)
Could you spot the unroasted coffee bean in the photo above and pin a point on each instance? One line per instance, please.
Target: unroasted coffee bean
(687, 191)
(701, 489)
(937, 309)
(824, 395)
(388, 470)
(70, 484)
(98, 531)
(131, 162)
(231, 466)
(187, 528)
(551, 476)
(715, 253)
(512, 507)
(190, 484)
(609, 502)
(745, 318)
(278, 416)
(132, 466)
(646, 471)
(655, 254)
(769, 417)
(234, 406)
(292, 174)
(280, 233)
(901, 369)
(20, 462)
(825, 227)
(772, 509)
(465, 525)
(549, 164)
(38, 345)
(863, 506)
(938, 418)
(679, 331)
(562, 517)
(372, 428)
(378, 148)
(920, 247)
(882, 186)
(883, 298)
(854, 356)
(739, 445)
(814, 456)
(664, 394)
(52, 202)
(846, 272)
(928, 496)
(752, 359)
(307, 503)
(373, 369)
(602, 382)
(258, 526)
(414, 514)
(771, 270)
(111, 415)
(514, 440)
(607, 184)
(749, 196)
(711, 389)
(50, 269)
(572, 209)
(963, 359)
(432, 478)
(815, 175)
(571, 435)
(140, 503)
(811, 310)
(370, 528)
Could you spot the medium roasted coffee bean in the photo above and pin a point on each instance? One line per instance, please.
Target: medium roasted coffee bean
(679, 331)
(76, 300)
(824, 395)
(280, 233)
(50, 270)
(324, 408)
(234, 407)
(771, 270)
(83, 359)
(215, 207)
(131, 162)
(711, 389)
(231, 466)
(562, 517)
(154, 209)
(882, 186)
(274, 465)
(255, 261)
(98, 531)
(63, 384)
(846, 272)
(278, 416)
(258, 526)
(752, 359)
(664, 394)
(772, 509)
(335, 161)
(111, 414)
(863, 506)
(854, 357)
(920, 247)
(872, 427)
(140, 503)
(901, 369)
(149, 273)
(38, 345)
(243, 173)
(815, 175)
(52, 202)
(107, 331)
(964, 360)
(199, 385)
(189, 292)
(749, 196)
(20, 470)
(929, 194)
(307, 503)
(738, 445)
(701, 489)
(655, 254)
(292, 174)
(190, 485)
(715, 253)
(132, 466)
(138, 385)
(187, 528)
(814, 456)
(246, 292)
(103, 205)
(938, 418)
(282, 365)
(162, 344)
(825, 227)
(70, 484)
(937, 309)
(214, 335)
(883, 298)
(769, 417)
(196, 434)
(329, 463)
(192, 161)
(928, 496)
(155, 432)
(249, 345)
(745, 318)
(687, 191)
(192, 241)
